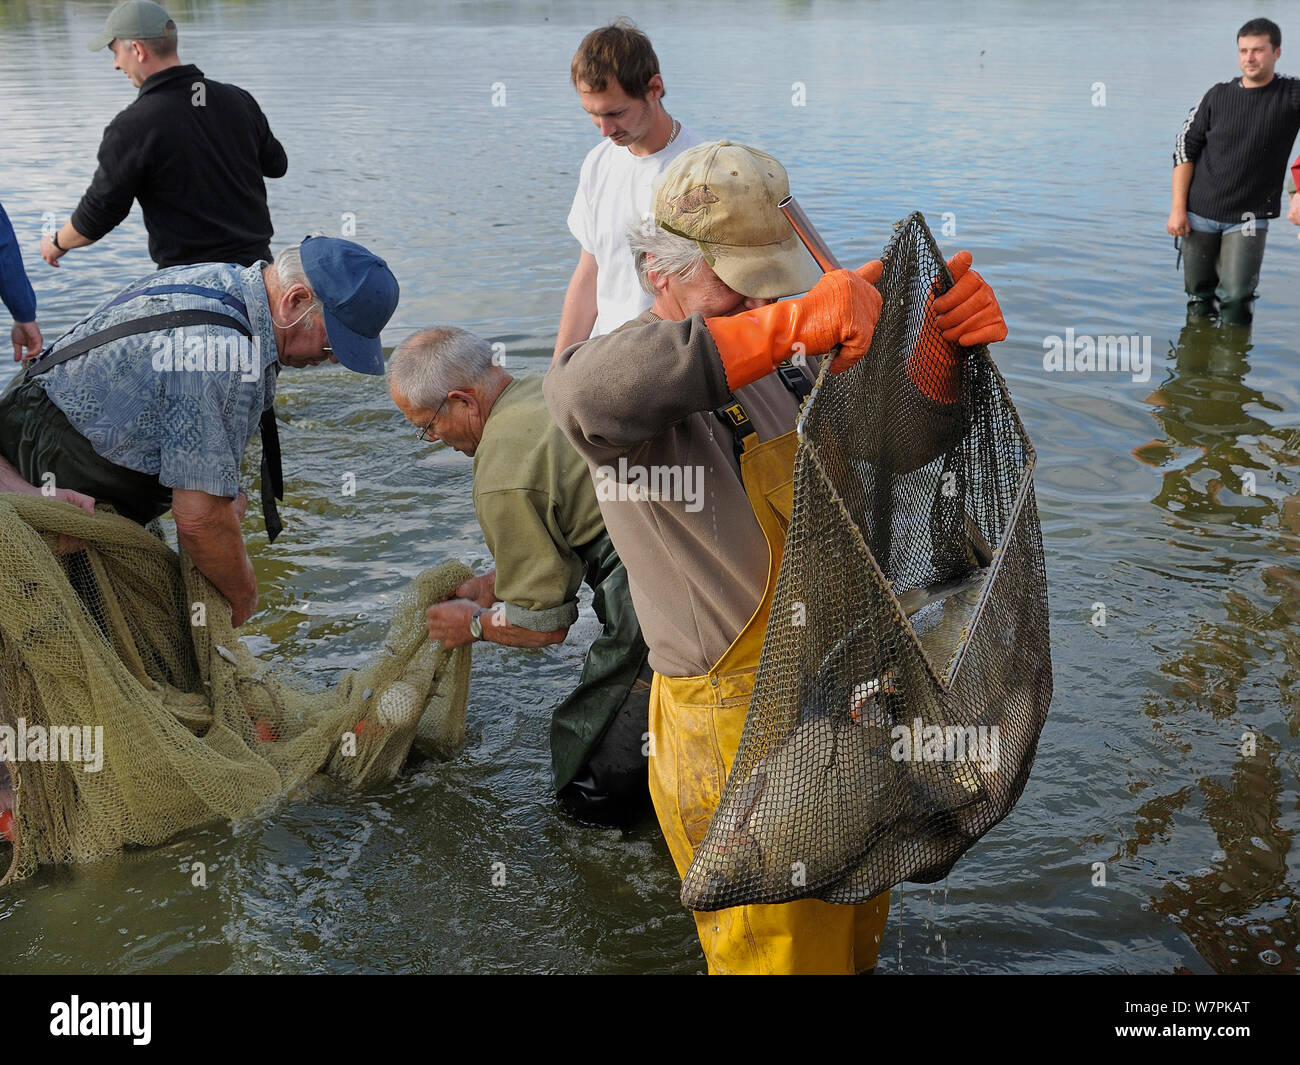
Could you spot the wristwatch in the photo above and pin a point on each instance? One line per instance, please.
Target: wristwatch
(476, 623)
(54, 239)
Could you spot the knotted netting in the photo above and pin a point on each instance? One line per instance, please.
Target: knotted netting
(906, 674)
(127, 637)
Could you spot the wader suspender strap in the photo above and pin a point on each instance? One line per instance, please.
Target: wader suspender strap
(272, 475)
(736, 419)
(734, 416)
(794, 380)
(49, 359)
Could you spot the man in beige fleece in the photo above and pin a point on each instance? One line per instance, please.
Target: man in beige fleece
(652, 405)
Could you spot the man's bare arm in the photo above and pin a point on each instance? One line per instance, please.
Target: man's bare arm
(449, 622)
(579, 314)
(481, 589)
(1178, 226)
(207, 527)
(68, 238)
(27, 340)
(12, 481)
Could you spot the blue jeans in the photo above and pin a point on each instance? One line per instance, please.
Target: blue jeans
(1221, 260)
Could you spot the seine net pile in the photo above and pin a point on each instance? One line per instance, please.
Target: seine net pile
(128, 637)
(906, 674)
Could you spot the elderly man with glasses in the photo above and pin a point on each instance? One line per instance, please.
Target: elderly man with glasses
(537, 507)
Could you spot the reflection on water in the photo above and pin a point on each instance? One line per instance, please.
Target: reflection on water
(1211, 467)
(1224, 464)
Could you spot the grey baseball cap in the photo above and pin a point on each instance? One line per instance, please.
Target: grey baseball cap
(133, 20)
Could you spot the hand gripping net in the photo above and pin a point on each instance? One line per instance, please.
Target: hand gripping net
(905, 674)
(130, 637)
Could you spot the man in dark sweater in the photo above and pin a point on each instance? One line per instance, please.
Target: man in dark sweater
(193, 151)
(1229, 161)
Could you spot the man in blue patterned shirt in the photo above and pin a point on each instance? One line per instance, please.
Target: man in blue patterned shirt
(149, 402)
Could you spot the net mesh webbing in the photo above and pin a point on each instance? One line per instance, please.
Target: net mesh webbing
(905, 674)
(128, 636)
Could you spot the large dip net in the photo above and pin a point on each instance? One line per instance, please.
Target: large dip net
(127, 637)
(905, 675)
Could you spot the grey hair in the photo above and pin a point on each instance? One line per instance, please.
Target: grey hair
(431, 363)
(290, 271)
(673, 255)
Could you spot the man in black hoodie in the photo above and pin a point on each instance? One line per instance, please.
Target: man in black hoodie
(193, 151)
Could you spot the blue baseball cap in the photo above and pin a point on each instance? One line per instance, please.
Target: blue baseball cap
(359, 294)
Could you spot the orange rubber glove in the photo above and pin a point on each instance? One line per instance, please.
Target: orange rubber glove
(842, 308)
(968, 312)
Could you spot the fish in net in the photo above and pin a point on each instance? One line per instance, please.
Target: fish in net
(128, 642)
(906, 675)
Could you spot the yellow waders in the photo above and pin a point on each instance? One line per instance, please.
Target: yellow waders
(696, 723)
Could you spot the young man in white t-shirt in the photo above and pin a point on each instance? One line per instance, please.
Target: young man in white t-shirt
(616, 73)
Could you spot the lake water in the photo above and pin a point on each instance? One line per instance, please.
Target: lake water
(1043, 136)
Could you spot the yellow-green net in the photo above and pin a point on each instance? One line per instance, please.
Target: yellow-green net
(127, 637)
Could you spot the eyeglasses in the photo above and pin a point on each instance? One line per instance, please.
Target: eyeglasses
(424, 433)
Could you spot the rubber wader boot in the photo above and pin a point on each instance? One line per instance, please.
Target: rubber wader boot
(1200, 273)
(1240, 257)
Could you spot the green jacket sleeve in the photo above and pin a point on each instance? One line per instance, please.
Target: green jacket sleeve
(538, 574)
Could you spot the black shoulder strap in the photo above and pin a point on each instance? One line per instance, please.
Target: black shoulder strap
(272, 474)
(734, 416)
(736, 420)
(48, 359)
(794, 380)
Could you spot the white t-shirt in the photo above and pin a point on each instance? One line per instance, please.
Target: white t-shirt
(613, 192)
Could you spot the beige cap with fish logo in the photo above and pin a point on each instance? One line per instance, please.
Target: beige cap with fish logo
(724, 197)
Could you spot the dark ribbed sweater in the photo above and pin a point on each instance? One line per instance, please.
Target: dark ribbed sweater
(1240, 140)
(195, 159)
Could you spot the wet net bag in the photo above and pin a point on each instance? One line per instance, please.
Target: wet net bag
(905, 675)
(130, 712)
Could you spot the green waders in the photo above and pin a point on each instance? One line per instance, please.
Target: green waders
(598, 732)
(37, 440)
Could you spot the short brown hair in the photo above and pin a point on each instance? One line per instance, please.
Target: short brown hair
(619, 51)
(1262, 27)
